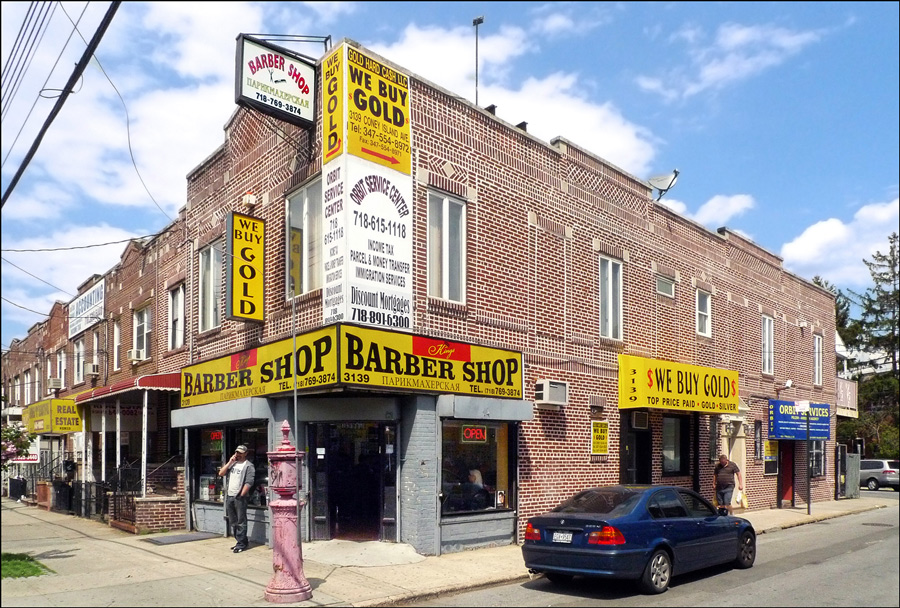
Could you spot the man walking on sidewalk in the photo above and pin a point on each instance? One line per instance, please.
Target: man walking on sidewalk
(723, 481)
(240, 475)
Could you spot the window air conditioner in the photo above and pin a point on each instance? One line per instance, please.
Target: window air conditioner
(551, 392)
(640, 420)
(136, 354)
(54, 383)
(91, 369)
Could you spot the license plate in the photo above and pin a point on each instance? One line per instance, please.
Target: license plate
(562, 537)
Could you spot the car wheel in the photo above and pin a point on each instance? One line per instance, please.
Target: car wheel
(746, 550)
(872, 484)
(657, 573)
(558, 579)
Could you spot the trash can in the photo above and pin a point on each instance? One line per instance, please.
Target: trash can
(18, 487)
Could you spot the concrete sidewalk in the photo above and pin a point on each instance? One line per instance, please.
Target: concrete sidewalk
(95, 565)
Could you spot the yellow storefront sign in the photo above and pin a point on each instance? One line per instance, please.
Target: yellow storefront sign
(333, 121)
(245, 268)
(599, 437)
(378, 112)
(385, 359)
(57, 416)
(263, 370)
(676, 386)
(343, 355)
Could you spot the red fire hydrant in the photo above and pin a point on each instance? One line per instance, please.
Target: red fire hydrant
(288, 584)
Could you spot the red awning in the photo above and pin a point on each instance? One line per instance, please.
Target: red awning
(151, 382)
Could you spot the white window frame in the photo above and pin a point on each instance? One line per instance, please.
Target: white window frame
(49, 373)
(817, 360)
(117, 345)
(96, 354)
(176, 317)
(768, 345)
(817, 457)
(142, 330)
(17, 387)
(704, 315)
(304, 224)
(26, 380)
(210, 288)
(61, 366)
(610, 278)
(665, 286)
(446, 221)
(78, 356)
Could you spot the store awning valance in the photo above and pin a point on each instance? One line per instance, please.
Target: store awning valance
(150, 382)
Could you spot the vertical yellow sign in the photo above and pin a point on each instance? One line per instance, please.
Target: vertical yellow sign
(599, 437)
(378, 117)
(245, 285)
(333, 105)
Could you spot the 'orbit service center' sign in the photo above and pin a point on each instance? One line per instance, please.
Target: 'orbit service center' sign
(344, 356)
(676, 386)
(367, 192)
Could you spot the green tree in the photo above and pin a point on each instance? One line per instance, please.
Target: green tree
(881, 305)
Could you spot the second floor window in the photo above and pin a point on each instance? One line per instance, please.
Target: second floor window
(117, 345)
(446, 248)
(610, 298)
(176, 317)
(79, 360)
(304, 261)
(210, 287)
(61, 366)
(704, 313)
(768, 345)
(142, 330)
(817, 360)
(28, 388)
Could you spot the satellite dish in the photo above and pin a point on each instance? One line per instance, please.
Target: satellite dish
(664, 182)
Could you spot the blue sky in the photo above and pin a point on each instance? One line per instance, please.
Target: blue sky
(781, 117)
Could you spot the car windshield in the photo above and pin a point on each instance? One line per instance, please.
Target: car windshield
(613, 502)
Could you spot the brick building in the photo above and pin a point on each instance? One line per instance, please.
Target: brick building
(465, 308)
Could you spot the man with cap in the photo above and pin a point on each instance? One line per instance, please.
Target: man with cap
(240, 474)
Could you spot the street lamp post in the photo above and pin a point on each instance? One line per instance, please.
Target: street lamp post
(476, 22)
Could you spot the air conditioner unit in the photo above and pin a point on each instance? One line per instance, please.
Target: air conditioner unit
(551, 392)
(640, 420)
(91, 369)
(136, 354)
(53, 383)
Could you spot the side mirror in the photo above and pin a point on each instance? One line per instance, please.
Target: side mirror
(722, 511)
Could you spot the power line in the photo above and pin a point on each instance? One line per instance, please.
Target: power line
(73, 247)
(76, 74)
(38, 278)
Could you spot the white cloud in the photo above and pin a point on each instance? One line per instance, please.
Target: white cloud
(738, 52)
(553, 105)
(718, 210)
(834, 249)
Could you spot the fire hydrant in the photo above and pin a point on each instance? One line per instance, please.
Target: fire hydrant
(288, 584)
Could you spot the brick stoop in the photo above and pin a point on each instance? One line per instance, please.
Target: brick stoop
(121, 525)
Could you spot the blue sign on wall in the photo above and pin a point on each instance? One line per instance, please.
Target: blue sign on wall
(786, 423)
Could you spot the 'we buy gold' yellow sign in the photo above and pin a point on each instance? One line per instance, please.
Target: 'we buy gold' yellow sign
(676, 386)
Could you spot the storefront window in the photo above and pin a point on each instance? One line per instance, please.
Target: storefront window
(675, 445)
(212, 442)
(217, 445)
(257, 441)
(478, 467)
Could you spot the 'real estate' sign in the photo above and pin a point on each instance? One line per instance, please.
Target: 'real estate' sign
(346, 356)
(58, 416)
(676, 386)
(367, 192)
(275, 81)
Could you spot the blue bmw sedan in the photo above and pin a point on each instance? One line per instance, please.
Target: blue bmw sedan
(645, 533)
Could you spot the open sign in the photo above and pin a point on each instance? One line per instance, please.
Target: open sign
(473, 434)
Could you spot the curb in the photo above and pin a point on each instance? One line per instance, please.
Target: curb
(418, 596)
(818, 518)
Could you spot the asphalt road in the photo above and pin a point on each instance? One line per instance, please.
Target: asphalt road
(847, 561)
